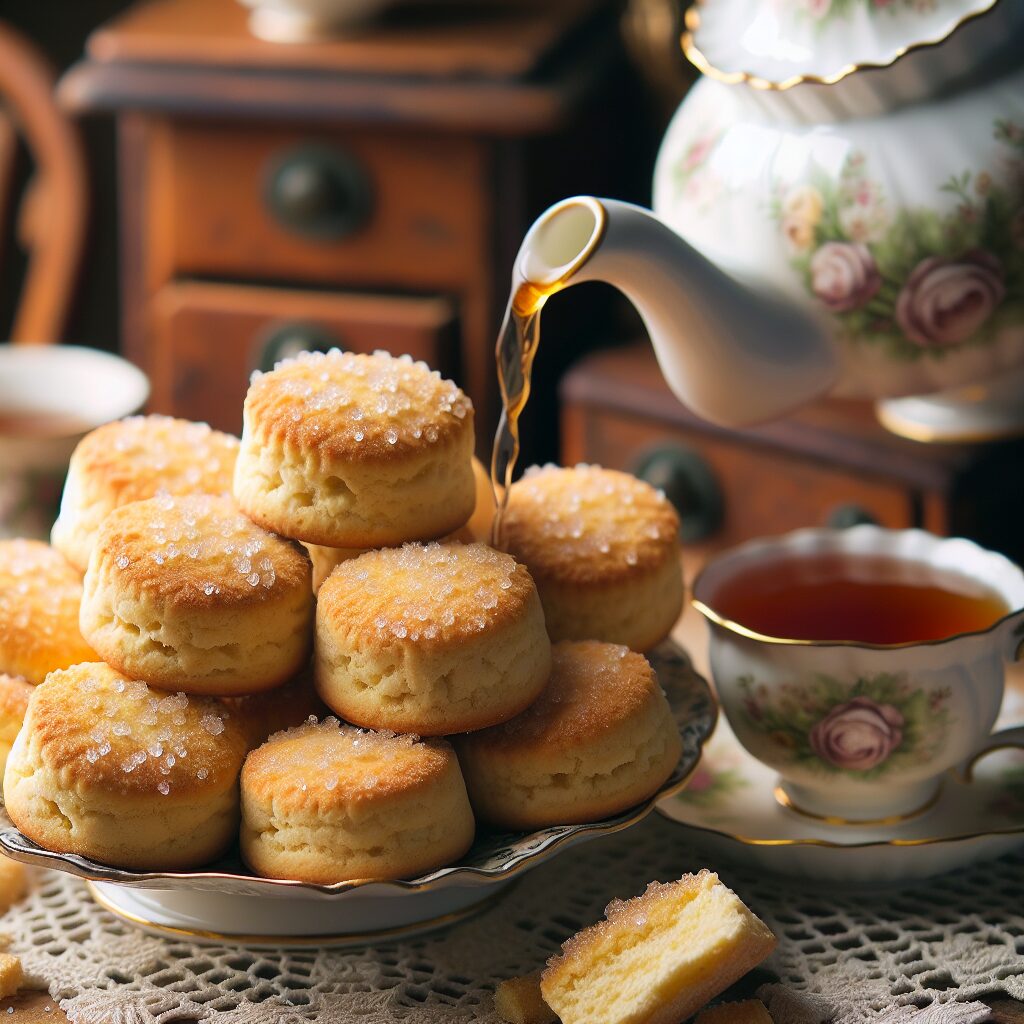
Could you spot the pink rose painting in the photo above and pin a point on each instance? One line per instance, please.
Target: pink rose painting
(945, 301)
(858, 735)
(844, 275)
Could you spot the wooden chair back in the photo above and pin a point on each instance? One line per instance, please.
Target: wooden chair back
(50, 219)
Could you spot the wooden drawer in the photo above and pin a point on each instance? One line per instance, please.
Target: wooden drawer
(210, 337)
(368, 206)
(759, 492)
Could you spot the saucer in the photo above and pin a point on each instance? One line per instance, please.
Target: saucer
(226, 903)
(731, 800)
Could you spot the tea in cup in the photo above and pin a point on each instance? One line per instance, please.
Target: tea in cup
(862, 664)
(50, 397)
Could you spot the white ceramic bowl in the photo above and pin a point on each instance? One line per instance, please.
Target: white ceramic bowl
(84, 385)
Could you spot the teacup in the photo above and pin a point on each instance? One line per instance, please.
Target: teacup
(862, 732)
(50, 397)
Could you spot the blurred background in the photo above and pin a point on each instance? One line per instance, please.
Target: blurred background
(229, 183)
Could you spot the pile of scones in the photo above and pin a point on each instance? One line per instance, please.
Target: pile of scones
(304, 642)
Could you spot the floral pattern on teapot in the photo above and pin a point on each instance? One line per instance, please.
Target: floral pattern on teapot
(918, 280)
(881, 723)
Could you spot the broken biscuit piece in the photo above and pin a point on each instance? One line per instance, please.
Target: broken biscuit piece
(518, 1001)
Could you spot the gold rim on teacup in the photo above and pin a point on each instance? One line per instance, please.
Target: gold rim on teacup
(783, 799)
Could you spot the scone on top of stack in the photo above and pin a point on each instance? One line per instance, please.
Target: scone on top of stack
(40, 594)
(657, 958)
(188, 594)
(432, 639)
(600, 739)
(603, 548)
(326, 559)
(131, 460)
(109, 768)
(327, 802)
(350, 450)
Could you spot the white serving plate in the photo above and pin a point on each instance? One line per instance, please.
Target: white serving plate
(225, 902)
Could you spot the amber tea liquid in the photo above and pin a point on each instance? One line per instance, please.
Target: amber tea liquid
(864, 600)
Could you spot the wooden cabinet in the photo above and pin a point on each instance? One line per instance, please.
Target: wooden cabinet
(828, 465)
(208, 338)
(373, 189)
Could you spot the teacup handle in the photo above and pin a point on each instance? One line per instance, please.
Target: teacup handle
(1011, 738)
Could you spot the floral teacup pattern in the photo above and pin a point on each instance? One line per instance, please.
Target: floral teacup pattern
(882, 722)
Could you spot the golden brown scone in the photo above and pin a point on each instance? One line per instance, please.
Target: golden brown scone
(356, 451)
(284, 707)
(657, 958)
(108, 768)
(518, 1001)
(432, 639)
(40, 595)
(11, 975)
(188, 594)
(13, 884)
(328, 803)
(603, 548)
(14, 695)
(750, 1011)
(600, 739)
(131, 460)
(325, 559)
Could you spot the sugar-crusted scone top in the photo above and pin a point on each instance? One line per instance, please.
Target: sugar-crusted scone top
(103, 732)
(40, 595)
(354, 407)
(588, 524)
(139, 457)
(593, 688)
(433, 595)
(198, 551)
(325, 767)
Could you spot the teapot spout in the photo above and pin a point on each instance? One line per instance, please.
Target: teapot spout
(733, 355)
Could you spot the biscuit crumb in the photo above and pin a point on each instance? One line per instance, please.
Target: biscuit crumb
(751, 1011)
(518, 1001)
(11, 975)
(13, 883)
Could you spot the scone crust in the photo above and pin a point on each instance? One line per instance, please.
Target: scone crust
(40, 596)
(327, 802)
(355, 451)
(14, 696)
(433, 639)
(603, 548)
(134, 459)
(599, 739)
(110, 768)
(284, 707)
(187, 593)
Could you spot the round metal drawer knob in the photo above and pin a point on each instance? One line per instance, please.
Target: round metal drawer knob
(320, 192)
(690, 484)
(288, 340)
(844, 516)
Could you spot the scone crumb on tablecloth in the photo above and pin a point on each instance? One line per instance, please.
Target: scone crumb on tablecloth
(518, 1001)
(13, 883)
(11, 975)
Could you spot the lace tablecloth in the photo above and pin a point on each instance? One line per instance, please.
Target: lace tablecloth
(853, 955)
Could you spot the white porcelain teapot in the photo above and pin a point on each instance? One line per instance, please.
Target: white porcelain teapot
(856, 168)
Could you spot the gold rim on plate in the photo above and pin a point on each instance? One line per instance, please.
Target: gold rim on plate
(700, 61)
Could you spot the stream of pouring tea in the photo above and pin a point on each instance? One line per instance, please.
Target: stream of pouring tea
(515, 350)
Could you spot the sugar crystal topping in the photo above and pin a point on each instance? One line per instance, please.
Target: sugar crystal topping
(587, 514)
(336, 757)
(365, 401)
(203, 538)
(422, 592)
(176, 456)
(39, 592)
(134, 725)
